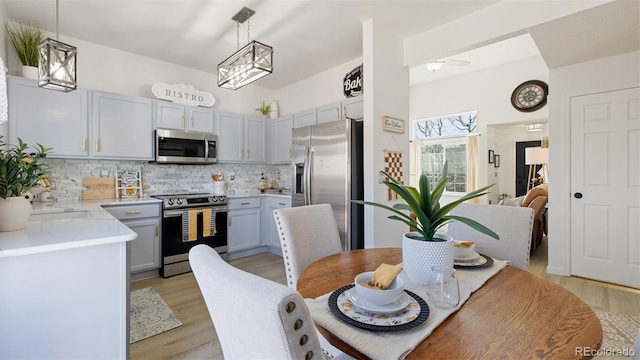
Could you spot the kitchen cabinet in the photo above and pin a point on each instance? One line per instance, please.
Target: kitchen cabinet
(351, 108)
(243, 224)
(144, 220)
(270, 232)
(54, 119)
(280, 140)
(304, 118)
(241, 138)
(122, 127)
(185, 118)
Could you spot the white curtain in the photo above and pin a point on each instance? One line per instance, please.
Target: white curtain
(472, 164)
(415, 169)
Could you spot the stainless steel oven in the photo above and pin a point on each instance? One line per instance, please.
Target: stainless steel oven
(180, 233)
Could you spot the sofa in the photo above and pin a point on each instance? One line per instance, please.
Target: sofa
(535, 199)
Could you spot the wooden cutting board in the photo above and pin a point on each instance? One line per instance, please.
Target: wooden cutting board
(98, 188)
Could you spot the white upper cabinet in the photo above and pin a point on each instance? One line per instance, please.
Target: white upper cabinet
(230, 137)
(352, 108)
(122, 127)
(54, 119)
(304, 118)
(330, 112)
(182, 117)
(280, 140)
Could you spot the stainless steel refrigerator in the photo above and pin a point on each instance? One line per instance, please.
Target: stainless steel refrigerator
(327, 162)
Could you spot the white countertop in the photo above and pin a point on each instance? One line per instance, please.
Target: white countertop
(61, 226)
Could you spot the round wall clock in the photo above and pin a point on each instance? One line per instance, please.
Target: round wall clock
(530, 95)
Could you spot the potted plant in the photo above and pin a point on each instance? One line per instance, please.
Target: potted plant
(19, 172)
(25, 36)
(264, 109)
(423, 247)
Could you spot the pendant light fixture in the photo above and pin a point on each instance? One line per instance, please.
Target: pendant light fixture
(252, 62)
(57, 63)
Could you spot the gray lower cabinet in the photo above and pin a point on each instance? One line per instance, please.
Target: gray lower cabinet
(243, 224)
(145, 250)
(270, 232)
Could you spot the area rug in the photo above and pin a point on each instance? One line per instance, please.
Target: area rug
(150, 315)
(618, 331)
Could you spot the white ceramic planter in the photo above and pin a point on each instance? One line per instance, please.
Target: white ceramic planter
(419, 256)
(14, 213)
(30, 72)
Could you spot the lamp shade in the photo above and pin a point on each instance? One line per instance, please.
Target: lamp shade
(536, 155)
(252, 62)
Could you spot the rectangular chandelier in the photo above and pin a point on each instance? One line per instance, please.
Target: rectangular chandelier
(252, 62)
(57, 65)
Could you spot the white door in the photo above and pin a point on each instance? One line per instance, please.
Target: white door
(605, 186)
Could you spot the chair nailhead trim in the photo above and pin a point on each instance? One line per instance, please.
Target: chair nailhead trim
(309, 355)
(303, 339)
(290, 307)
(297, 325)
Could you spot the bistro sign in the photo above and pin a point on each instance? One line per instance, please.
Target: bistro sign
(183, 94)
(353, 82)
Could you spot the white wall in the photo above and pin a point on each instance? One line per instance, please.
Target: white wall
(317, 90)
(611, 73)
(112, 70)
(489, 93)
(386, 89)
(4, 131)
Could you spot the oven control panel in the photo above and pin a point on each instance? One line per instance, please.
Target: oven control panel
(181, 201)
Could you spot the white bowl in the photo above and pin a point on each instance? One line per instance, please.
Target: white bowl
(460, 252)
(378, 296)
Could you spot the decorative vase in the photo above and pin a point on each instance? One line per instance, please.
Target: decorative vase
(273, 113)
(14, 213)
(418, 257)
(30, 72)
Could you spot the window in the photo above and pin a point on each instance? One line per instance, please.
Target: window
(437, 140)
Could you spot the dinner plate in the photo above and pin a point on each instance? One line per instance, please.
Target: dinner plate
(411, 316)
(482, 262)
(394, 307)
(469, 257)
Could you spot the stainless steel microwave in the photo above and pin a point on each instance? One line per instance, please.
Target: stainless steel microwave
(180, 147)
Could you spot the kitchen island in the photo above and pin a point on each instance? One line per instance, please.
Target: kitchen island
(64, 285)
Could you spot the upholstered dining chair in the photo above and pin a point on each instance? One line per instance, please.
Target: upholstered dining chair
(255, 318)
(308, 233)
(513, 224)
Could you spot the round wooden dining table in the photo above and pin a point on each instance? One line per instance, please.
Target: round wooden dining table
(514, 315)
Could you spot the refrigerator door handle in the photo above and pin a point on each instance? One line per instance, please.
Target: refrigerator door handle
(306, 176)
(309, 167)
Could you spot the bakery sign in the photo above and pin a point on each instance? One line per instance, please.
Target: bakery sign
(183, 94)
(352, 83)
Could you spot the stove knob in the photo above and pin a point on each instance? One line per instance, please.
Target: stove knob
(179, 201)
(214, 198)
(170, 201)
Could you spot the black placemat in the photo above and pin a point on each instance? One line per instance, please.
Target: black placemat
(422, 317)
(473, 267)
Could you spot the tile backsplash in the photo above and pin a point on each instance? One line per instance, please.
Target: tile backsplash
(67, 174)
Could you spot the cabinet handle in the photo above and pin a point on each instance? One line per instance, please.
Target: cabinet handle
(191, 122)
(245, 203)
(337, 113)
(84, 144)
(248, 154)
(344, 112)
(157, 231)
(182, 121)
(97, 145)
(289, 153)
(241, 154)
(230, 220)
(133, 212)
(283, 204)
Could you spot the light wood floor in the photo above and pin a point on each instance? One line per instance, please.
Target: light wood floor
(196, 338)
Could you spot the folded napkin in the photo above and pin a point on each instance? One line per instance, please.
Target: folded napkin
(464, 244)
(384, 275)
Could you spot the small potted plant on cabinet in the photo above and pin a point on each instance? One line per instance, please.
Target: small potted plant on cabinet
(25, 36)
(263, 109)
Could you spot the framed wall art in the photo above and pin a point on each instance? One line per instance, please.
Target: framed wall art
(392, 124)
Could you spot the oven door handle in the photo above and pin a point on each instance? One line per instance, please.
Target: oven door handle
(176, 213)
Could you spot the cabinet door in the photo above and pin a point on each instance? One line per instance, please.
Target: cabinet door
(54, 119)
(330, 112)
(244, 229)
(145, 249)
(281, 140)
(353, 108)
(201, 120)
(255, 140)
(230, 137)
(304, 118)
(272, 233)
(170, 116)
(122, 127)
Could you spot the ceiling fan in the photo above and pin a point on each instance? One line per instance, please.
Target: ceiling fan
(437, 64)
